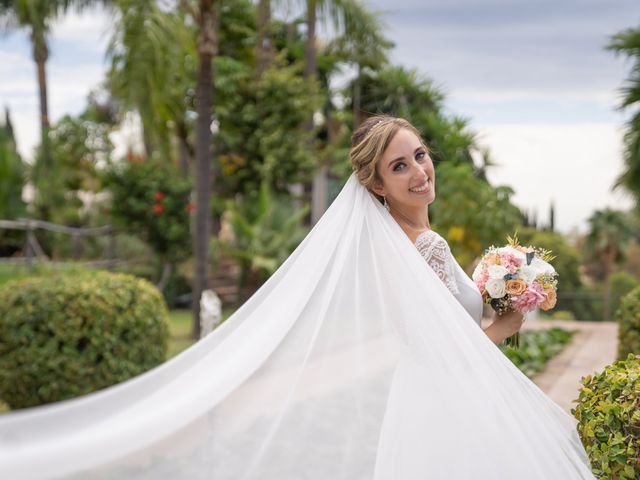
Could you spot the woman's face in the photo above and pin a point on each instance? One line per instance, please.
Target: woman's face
(407, 173)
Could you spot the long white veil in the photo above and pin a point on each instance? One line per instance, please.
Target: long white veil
(353, 361)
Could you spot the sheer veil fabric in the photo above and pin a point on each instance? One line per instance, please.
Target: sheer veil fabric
(353, 361)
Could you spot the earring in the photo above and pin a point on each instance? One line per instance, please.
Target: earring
(386, 205)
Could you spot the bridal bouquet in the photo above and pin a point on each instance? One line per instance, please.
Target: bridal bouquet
(517, 278)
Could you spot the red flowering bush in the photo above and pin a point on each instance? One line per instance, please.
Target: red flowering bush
(151, 199)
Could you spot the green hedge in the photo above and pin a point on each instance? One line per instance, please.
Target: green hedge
(621, 284)
(69, 334)
(608, 413)
(628, 318)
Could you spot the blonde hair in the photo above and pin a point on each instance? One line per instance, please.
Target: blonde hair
(368, 144)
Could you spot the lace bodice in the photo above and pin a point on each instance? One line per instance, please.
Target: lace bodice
(435, 250)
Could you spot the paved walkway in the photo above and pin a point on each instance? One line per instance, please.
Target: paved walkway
(591, 348)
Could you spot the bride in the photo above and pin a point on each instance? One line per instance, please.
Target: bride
(360, 358)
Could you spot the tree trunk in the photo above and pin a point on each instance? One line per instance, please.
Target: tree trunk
(357, 96)
(264, 48)
(146, 140)
(40, 55)
(310, 60)
(207, 48)
(167, 271)
(319, 182)
(184, 151)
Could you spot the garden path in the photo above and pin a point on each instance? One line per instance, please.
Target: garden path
(592, 348)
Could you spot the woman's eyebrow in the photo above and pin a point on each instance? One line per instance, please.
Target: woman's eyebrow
(402, 158)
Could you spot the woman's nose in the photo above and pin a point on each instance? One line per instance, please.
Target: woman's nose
(419, 170)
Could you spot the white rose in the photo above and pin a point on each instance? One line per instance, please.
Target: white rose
(497, 271)
(541, 266)
(496, 287)
(527, 273)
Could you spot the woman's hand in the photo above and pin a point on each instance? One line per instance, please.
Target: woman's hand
(504, 325)
(513, 319)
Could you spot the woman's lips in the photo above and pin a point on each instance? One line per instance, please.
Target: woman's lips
(426, 186)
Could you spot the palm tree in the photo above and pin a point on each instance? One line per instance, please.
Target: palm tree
(37, 16)
(356, 23)
(486, 162)
(627, 43)
(349, 17)
(364, 46)
(149, 52)
(609, 234)
(204, 15)
(401, 91)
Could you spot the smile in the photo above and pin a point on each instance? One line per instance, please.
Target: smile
(421, 188)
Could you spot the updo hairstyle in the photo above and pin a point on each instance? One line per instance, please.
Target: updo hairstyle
(368, 144)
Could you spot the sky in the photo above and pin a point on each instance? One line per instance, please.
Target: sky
(532, 78)
(535, 83)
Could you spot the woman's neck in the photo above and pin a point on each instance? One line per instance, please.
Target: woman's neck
(414, 220)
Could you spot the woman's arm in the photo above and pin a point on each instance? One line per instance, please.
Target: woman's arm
(504, 326)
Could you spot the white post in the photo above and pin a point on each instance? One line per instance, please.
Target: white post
(210, 312)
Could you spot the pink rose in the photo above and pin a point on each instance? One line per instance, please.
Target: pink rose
(510, 261)
(529, 299)
(482, 280)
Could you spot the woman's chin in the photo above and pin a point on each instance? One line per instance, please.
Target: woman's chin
(421, 200)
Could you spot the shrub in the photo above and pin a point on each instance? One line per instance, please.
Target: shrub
(609, 419)
(151, 200)
(67, 335)
(537, 347)
(562, 315)
(628, 318)
(266, 229)
(621, 284)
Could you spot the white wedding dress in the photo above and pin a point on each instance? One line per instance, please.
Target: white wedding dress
(466, 448)
(356, 360)
(436, 252)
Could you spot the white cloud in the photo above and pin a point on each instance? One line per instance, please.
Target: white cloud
(90, 28)
(16, 71)
(67, 91)
(74, 68)
(513, 50)
(573, 165)
(582, 93)
(26, 129)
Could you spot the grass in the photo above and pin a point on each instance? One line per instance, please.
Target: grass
(180, 330)
(15, 272)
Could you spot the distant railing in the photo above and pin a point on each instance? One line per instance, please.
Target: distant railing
(33, 252)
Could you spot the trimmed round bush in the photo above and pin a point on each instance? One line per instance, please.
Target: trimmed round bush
(608, 413)
(70, 334)
(628, 318)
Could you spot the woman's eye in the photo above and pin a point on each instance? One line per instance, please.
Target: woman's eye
(395, 167)
(420, 155)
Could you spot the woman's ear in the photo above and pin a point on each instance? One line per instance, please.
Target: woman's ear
(377, 187)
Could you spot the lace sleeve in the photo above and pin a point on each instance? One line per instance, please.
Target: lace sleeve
(435, 250)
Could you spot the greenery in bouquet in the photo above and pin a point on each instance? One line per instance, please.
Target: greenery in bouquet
(516, 277)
